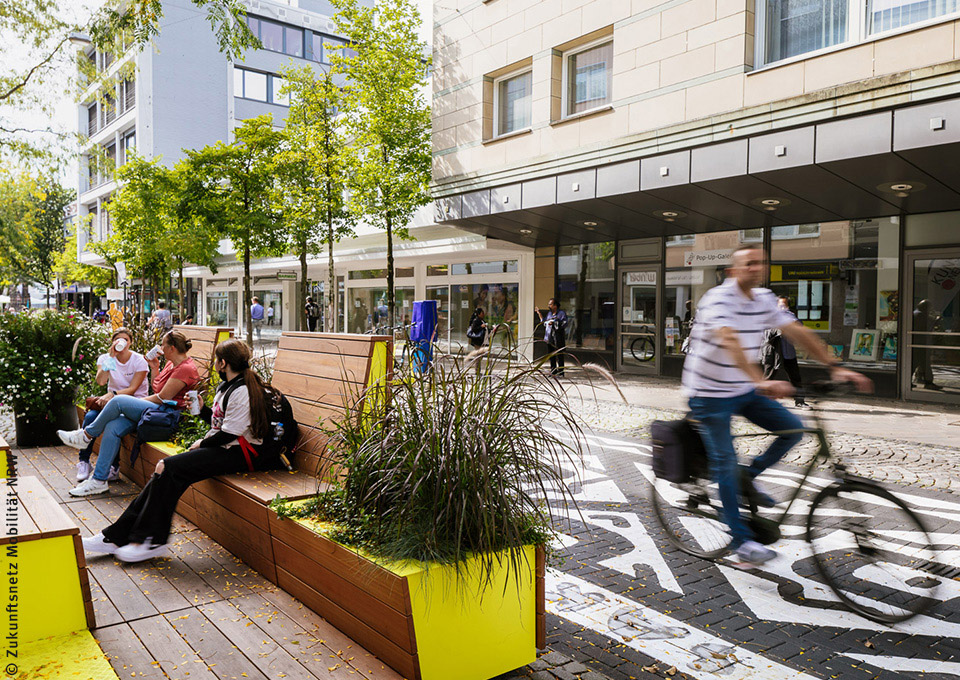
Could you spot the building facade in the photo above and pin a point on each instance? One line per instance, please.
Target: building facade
(632, 146)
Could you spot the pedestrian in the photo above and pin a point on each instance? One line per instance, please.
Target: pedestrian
(162, 318)
(312, 311)
(256, 314)
(721, 379)
(270, 312)
(123, 371)
(778, 352)
(189, 320)
(554, 334)
(121, 414)
(142, 531)
(476, 328)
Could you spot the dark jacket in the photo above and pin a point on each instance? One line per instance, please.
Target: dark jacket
(476, 333)
(555, 334)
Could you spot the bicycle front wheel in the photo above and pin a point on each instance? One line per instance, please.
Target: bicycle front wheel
(873, 551)
(690, 516)
(642, 349)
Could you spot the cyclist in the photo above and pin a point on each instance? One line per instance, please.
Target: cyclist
(722, 381)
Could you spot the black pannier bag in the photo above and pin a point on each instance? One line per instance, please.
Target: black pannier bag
(678, 451)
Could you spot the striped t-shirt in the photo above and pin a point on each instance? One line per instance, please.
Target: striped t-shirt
(709, 370)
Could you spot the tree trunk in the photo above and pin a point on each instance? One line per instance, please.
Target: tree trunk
(183, 308)
(390, 290)
(330, 325)
(303, 285)
(247, 294)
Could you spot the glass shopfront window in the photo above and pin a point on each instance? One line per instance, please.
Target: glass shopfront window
(842, 281)
(442, 295)
(368, 308)
(695, 263)
(222, 309)
(586, 285)
(499, 302)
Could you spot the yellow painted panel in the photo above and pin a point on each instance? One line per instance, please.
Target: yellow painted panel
(4, 467)
(44, 577)
(74, 655)
(169, 448)
(222, 335)
(461, 636)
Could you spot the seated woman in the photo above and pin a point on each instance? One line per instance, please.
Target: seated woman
(233, 444)
(122, 371)
(121, 414)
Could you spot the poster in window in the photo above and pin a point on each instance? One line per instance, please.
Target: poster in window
(889, 305)
(889, 348)
(836, 351)
(864, 345)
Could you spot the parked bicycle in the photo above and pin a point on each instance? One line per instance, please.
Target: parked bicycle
(643, 347)
(869, 547)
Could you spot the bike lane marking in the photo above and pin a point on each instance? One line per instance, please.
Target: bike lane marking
(690, 649)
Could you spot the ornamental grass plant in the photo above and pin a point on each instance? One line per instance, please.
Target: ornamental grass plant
(45, 356)
(466, 460)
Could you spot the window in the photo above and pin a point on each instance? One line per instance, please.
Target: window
(293, 41)
(325, 46)
(250, 84)
(438, 269)
(92, 126)
(588, 77)
(754, 235)
(795, 231)
(682, 239)
(800, 26)
(129, 145)
(271, 35)
(277, 37)
(497, 267)
(513, 99)
(586, 288)
(128, 93)
(361, 274)
(276, 84)
(109, 110)
(886, 15)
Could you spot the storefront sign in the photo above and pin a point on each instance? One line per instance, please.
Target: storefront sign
(708, 258)
(846, 265)
(114, 293)
(287, 276)
(684, 277)
(801, 272)
(648, 278)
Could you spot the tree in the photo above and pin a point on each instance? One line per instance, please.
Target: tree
(387, 116)
(311, 176)
(231, 186)
(70, 271)
(43, 28)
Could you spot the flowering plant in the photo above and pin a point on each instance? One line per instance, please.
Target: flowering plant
(44, 357)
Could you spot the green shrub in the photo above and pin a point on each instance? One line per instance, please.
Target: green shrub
(45, 356)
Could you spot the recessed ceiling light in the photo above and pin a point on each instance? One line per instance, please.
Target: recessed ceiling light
(771, 201)
(901, 187)
(526, 232)
(669, 213)
(589, 224)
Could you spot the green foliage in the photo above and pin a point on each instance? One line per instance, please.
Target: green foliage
(191, 429)
(457, 463)
(44, 357)
(70, 271)
(387, 116)
(231, 186)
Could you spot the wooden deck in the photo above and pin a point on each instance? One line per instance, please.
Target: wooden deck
(202, 613)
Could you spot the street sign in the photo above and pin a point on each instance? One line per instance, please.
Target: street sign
(121, 274)
(287, 276)
(114, 293)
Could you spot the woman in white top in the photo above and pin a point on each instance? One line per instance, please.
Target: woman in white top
(233, 444)
(123, 371)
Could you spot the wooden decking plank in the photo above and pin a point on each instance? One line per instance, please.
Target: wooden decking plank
(362, 660)
(306, 648)
(240, 572)
(127, 654)
(267, 654)
(122, 590)
(226, 583)
(53, 478)
(176, 657)
(106, 614)
(216, 650)
(151, 577)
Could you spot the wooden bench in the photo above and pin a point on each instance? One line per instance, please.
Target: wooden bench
(316, 372)
(5, 454)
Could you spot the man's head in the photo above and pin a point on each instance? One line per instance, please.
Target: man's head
(309, 299)
(256, 301)
(748, 267)
(553, 304)
(783, 302)
(161, 305)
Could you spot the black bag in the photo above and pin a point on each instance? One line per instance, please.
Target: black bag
(155, 425)
(678, 451)
(284, 431)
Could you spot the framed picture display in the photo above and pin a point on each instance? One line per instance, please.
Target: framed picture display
(864, 345)
(889, 352)
(836, 351)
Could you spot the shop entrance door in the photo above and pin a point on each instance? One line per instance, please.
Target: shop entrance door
(931, 318)
(639, 304)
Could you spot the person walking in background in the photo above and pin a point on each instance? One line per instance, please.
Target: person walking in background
(162, 318)
(270, 313)
(554, 334)
(312, 310)
(779, 352)
(477, 329)
(256, 314)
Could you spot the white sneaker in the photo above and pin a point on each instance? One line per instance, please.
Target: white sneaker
(98, 543)
(138, 552)
(84, 470)
(77, 439)
(753, 554)
(114, 474)
(89, 487)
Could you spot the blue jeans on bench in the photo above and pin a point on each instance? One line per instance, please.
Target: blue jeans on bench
(713, 415)
(88, 419)
(117, 419)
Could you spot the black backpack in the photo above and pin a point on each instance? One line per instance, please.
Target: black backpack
(313, 310)
(282, 435)
(678, 451)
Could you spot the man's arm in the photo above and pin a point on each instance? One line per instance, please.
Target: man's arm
(799, 334)
(731, 343)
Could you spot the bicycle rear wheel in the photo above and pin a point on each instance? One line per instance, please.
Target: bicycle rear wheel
(873, 551)
(642, 349)
(690, 516)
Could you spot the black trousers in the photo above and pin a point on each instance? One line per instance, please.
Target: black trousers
(151, 513)
(556, 360)
(312, 324)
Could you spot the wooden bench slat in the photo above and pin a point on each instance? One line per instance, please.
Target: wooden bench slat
(349, 345)
(349, 368)
(25, 526)
(321, 390)
(46, 513)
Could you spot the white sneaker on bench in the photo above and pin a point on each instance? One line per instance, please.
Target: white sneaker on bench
(89, 487)
(114, 474)
(138, 552)
(77, 439)
(98, 543)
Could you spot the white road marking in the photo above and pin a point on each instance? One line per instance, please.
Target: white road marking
(644, 550)
(905, 665)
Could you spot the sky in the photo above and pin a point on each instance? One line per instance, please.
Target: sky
(64, 113)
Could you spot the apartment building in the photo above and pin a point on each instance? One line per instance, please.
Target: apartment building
(632, 146)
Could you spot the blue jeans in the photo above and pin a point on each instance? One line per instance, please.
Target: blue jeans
(117, 419)
(88, 419)
(713, 415)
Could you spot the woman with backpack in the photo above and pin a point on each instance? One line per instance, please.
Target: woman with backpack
(121, 414)
(239, 426)
(476, 328)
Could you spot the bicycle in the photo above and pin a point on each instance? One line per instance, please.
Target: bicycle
(643, 348)
(869, 547)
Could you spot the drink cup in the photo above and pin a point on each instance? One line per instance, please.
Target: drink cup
(152, 354)
(193, 398)
(120, 345)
